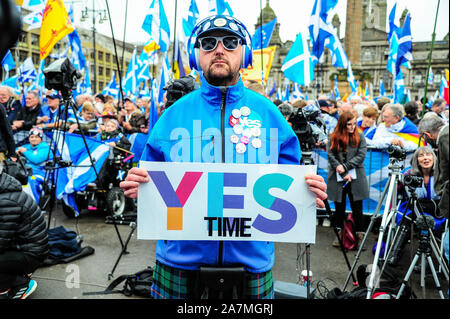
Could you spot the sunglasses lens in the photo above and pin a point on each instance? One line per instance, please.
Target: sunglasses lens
(230, 43)
(208, 43)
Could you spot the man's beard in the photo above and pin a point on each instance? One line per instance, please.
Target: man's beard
(221, 80)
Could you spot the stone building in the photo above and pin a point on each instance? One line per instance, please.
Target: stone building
(366, 45)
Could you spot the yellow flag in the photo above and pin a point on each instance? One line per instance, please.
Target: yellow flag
(19, 2)
(345, 97)
(254, 72)
(446, 74)
(151, 46)
(56, 25)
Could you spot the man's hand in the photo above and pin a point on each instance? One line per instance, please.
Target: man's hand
(135, 177)
(397, 142)
(316, 184)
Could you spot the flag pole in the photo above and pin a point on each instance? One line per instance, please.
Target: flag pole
(429, 60)
(261, 34)
(174, 39)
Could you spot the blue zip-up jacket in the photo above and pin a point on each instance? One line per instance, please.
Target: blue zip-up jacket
(36, 157)
(194, 129)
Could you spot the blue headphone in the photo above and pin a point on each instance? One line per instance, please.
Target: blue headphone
(220, 22)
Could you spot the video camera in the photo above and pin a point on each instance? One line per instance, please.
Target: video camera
(396, 152)
(308, 126)
(178, 88)
(61, 76)
(413, 181)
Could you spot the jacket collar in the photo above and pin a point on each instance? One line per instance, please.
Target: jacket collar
(213, 94)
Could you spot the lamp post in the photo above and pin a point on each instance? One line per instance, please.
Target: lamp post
(84, 16)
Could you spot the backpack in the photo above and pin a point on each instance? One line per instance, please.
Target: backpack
(348, 233)
(138, 284)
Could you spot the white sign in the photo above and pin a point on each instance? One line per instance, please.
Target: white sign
(211, 201)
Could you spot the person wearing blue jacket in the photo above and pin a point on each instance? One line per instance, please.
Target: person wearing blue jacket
(36, 152)
(208, 125)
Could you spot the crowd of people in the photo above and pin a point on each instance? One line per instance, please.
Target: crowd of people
(351, 127)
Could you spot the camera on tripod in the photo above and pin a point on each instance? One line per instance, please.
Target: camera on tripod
(308, 126)
(413, 181)
(396, 152)
(61, 76)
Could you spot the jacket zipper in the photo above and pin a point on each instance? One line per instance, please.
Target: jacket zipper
(222, 132)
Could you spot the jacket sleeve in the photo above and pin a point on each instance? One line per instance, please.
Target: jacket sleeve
(6, 132)
(357, 160)
(332, 158)
(38, 157)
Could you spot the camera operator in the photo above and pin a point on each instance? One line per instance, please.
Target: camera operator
(7, 145)
(435, 132)
(394, 123)
(346, 150)
(286, 109)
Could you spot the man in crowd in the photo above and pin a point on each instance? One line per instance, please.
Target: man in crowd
(26, 118)
(131, 118)
(49, 113)
(219, 41)
(395, 129)
(11, 105)
(438, 107)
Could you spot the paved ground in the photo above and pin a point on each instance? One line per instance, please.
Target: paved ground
(90, 274)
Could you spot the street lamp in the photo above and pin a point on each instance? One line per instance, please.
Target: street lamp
(84, 16)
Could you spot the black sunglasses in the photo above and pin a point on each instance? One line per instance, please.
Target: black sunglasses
(229, 42)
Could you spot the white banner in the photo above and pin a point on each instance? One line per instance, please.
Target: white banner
(211, 201)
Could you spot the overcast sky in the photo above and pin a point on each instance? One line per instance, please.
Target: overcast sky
(293, 15)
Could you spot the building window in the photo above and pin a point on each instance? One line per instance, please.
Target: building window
(23, 55)
(36, 58)
(108, 57)
(34, 39)
(107, 72)
(100, 55)
(100, 70)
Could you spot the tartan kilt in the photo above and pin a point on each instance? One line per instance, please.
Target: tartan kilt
(173, 283)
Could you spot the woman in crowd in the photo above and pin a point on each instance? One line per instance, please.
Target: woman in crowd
(368, 123)
(36, 152)
(346, 150)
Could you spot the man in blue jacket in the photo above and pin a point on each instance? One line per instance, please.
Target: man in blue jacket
(227, 123)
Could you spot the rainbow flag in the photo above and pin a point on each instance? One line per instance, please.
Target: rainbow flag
(410, 132)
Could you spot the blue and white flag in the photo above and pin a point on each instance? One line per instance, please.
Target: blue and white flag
(298, 66)
(319, 28)
(393, 28)
(297, 93)
(404, 52)
(261, 37)
(75, 178)
(27, 72)
(8, 62)
(336, 89)
(143, 72)
(393, 53)
(130, 81)
(382, 89)
(408, 96)
(430, 76)
(60, 55)
(87, 87)
(157, 26)
(442, 87)
(12, 83)
(399, 88)
(219, 7)
(77, 57)
(111, 88)
(272, 91)
(34, 19)
(163, 79)
(40, 80)
(286, 96)
(279, 94)
(191, 20)
(351, 79)
(339, 58)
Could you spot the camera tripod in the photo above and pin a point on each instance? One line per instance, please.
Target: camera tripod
(390, 210)
(423, 252)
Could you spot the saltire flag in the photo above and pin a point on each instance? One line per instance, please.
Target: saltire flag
(382, 89)
(219, 7)
(336, 88)
(286, 96)
(12, 83)
(351, 79)
(266, 30)
(339, 58)
(404, 52)
(111, 88)
(442, 87)
(178, 67)
(393, 53)
(34, 186)
(27, 72)
(274, 88)
(130, 83)
(143, 72)
(157, 26)
(399, 88)
(75, 178)
(61, 55)
(87, 87)
(29, 3)
(408, 130)
(279, 94)
(40, 80)
(297, 93)
(319, 28)
(298, 66)
(34, 19)
(164, 79)
(8, 62)
(430, 76)
(367, 92)
(56, 25)
(408, 96)
(393, 28)
(77, 56)
(191, 20)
